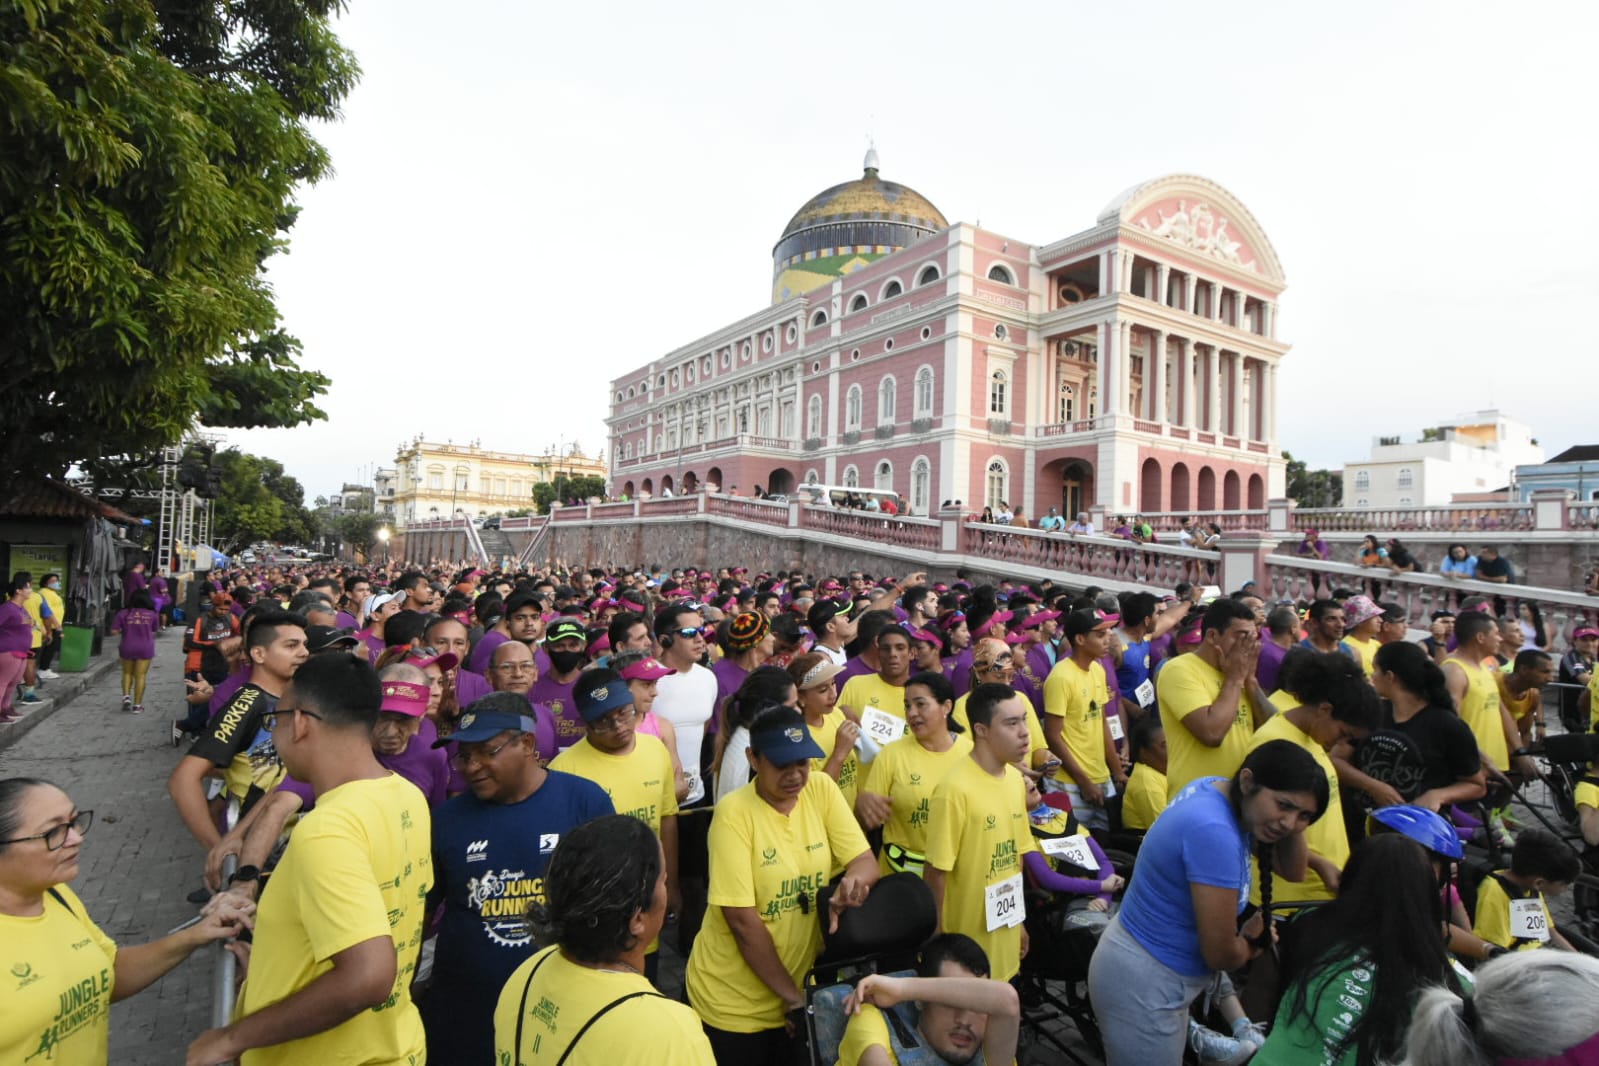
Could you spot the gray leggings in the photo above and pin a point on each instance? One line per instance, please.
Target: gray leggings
(1140, 1003)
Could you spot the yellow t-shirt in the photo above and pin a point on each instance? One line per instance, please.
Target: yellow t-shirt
(564, 996)
(907, 774)
(1593, 700)
(826, 735)
(639, 783)
(1078, 698)
(34, 605)
(1587, 795)
(1145, 797)
(1518, 706)
(1493, 916)
(1186, 684)
(865, 1031)
(1326, 836)
(977, 833)
(60, 970)
(865, 692)
(1367, 650)
(1283, 700)
(357, 867)
(1036, 741)
(1479, 709)
(764, 859)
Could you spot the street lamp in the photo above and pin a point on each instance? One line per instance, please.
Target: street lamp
(383, 536)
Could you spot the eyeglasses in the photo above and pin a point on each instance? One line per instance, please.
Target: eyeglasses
(463, 759)
(615, 721)
(269, 720)
(515, 668)
(55, 838)
(689, 633)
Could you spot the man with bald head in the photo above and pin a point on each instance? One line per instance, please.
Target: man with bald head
(511, 669)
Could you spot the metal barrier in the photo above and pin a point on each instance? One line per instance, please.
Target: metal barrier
(228, 969)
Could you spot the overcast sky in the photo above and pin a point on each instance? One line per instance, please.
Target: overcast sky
(530, 199)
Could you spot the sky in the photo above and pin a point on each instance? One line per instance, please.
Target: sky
(530, 199)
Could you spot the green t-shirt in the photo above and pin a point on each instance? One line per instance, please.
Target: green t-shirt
(1336, 998)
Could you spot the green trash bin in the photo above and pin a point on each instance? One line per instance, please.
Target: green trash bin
(76, 642)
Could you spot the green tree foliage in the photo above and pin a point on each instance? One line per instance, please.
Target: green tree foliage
(258, 502)
(359, 530)
(565, 488)
(1313, 488)
(149, 153)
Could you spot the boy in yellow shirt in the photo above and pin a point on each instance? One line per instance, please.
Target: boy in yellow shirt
(1511, 910)
(1076, 698)
(1145, 795)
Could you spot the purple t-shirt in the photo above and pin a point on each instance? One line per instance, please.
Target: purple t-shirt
(426, 767)
(481, 655)
(557, 698)
(1269, 665)
(959, 672)
(16, 628)
(853, 668)
(137, 627)
(729, 676)
(469, 688)
(345, 620)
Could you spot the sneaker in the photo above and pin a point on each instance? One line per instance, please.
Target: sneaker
(138, 708)
(30, 696)
(1214, 1049)
(178, 732)
(48, 675)
(9, 717)
(127, 703)
(1246, 1031)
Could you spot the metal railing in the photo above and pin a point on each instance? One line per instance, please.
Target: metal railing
(228, 967)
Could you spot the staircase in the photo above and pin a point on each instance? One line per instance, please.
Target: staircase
(497, 547)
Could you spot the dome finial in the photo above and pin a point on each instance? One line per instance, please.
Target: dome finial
(870, 165)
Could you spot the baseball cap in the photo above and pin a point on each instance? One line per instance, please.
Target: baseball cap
(221, 599)
(445, 661)
(477, 726)
(783, 738)
(823, 612)
(600, 701)
(321, 638)
(562, 628)
(1585, 631)
(378, 599)
(645, 670)
(747, 630)
(405, 697)
(1392, 612)
(1038, 618)
(1085, 621)
(1358, 609)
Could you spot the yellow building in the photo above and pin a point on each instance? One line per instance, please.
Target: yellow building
(440, 480)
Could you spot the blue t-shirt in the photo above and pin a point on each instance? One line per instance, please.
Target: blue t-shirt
(1196, 840)
(489, 860)
(1134, 669)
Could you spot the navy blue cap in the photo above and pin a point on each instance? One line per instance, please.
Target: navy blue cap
(598, 702)
(476, 726)
(784, 738)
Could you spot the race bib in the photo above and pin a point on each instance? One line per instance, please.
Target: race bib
(1003, 905)
(1114, 722)
(1145, 692)
(1070, 849)
(1528, 920)
(881, 726)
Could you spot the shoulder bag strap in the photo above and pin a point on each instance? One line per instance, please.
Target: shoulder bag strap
(521, 1010)
(59, 898)
(602, 1012)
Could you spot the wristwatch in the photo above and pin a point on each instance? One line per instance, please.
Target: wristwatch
(245, 873)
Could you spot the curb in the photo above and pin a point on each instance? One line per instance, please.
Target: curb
(62, 691)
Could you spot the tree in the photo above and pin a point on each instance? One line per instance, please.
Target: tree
(149, 152)
(565, 488)
(359, 529)
(258, 502)
(1313, 488)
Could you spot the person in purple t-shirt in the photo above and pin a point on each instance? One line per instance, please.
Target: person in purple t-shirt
(1282, 632)
(747, 643)
(137, 623)
(514, 670)
(16, 644)
(522, 621)
(566, 643)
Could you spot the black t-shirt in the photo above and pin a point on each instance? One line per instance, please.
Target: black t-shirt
(1433, 749)
(235, 741)
(1499, 567)
(1572, 665)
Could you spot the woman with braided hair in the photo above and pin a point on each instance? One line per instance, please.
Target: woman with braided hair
(584, 998)
(1178, 925)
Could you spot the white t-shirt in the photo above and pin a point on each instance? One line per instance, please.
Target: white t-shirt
(735, 764)
(839, 657)
(687, 700)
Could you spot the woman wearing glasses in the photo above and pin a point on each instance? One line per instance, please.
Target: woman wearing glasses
(64, 973)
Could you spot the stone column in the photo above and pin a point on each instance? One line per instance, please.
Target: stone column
(1155, 375)
(1213, 390)
(1215, 301)
(1124, 367)
(1268, 401)
(1108, 342)
(1235, 417)
(1187, 297)
(1104, 270)
(1185, 370)
(1162, 283)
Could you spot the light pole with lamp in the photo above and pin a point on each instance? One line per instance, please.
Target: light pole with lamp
(383, 537)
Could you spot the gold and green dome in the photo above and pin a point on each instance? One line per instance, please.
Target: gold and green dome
(841, 229)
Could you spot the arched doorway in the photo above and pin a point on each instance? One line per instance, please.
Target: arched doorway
(1232, 494)
(780, 482)
(666, 483)
(1076, 486)
(1181, 500)
(1149, 488)
(691, 482)
(1207, 490)
(713, 480)
(627, 487)
(1257, 492)
(648, 487)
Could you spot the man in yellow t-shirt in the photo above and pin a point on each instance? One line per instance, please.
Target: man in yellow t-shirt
(977, 833)
(634, 769)
(1210, 702)
(878, 700)
(1521, 686)
(339, 926)
(54, 624)
(1362, 624)
(1076, 696)
(1475, 691)
(1332, 702)
(1586, 799)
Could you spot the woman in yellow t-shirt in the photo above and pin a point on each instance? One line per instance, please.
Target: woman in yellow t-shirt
(605, 900)
(66, 972)
(1145, 796)
(900, 781)
(834, 730)
(774, 845)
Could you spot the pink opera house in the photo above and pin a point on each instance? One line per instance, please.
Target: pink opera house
(1131, 367)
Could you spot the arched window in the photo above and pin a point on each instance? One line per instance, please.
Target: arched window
(884, 478)
(813, 417)
(1407, 478)
(921, 486)
(997, 483)
(1363, 481)
(928, 275)
(859, 303)
(886, 402)
(819, 319)
(1001, 273)
(998, 394)
(852, 409)
(924, 392)
(1066, 411)
(852, 478)
(892, 289)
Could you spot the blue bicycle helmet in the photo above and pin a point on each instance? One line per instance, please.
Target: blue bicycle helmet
(1427, 828)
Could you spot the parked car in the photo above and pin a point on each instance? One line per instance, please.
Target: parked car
(492, 523)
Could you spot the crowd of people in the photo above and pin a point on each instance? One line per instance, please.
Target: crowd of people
(450, 815)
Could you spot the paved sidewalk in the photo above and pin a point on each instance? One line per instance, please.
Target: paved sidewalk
(138, 861)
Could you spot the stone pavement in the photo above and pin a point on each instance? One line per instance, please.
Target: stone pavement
(138, 862)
